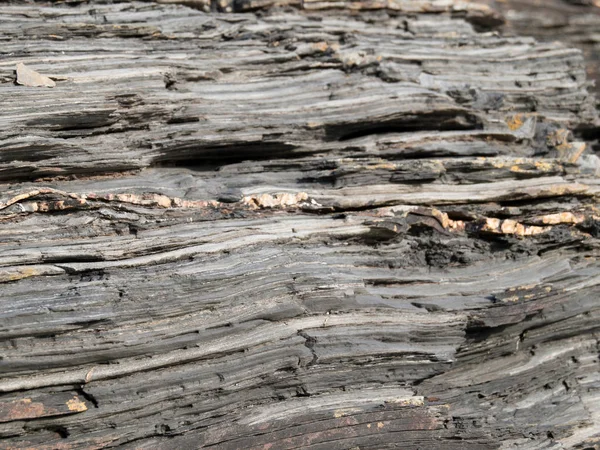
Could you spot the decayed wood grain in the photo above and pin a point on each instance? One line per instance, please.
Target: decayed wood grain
(574, 21)
(328, 225)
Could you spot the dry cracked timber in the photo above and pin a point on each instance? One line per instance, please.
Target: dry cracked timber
(320, 225)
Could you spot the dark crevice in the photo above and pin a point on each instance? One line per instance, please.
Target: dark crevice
(89, 397)
(438, 121)
(84, 324)
(212, 158)
(477, 332)
(310, 344)
(62, 431)
(72, 258)
(217, 327)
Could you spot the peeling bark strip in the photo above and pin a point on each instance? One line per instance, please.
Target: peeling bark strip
(334, 225)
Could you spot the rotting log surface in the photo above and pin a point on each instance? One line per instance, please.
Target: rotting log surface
(295, 228)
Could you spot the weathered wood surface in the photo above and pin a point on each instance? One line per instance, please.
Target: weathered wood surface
(576, 22)
(293, 228)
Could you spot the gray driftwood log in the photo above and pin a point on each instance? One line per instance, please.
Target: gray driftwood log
(321, 225)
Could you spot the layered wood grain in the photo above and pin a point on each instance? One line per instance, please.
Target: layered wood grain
(576, 22)
(327, 225)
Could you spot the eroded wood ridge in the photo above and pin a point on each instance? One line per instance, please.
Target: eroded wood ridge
(277, 225)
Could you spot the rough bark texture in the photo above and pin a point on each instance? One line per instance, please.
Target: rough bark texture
(325, 225)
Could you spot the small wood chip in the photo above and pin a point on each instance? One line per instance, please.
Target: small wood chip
(29, 77)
